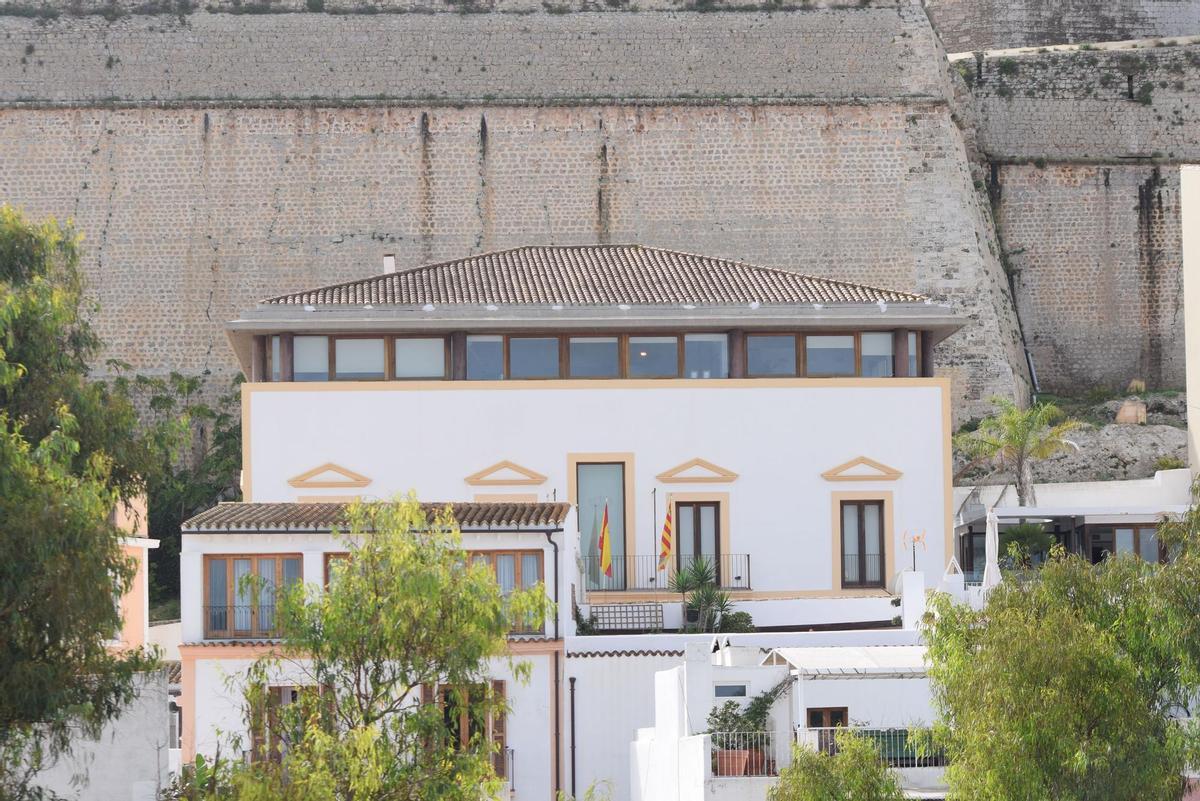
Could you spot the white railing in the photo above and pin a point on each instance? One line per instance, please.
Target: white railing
(898, 748)
(510, 770)
(741, 753)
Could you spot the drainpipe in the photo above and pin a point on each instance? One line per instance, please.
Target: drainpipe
(572, 680)
(554, 545)
(558, 684)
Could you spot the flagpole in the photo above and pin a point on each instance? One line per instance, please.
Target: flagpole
(654, 514)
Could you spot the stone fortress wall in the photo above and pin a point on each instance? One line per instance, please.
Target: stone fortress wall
(969, 25)
(215, 157)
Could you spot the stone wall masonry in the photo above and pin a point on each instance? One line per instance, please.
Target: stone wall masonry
(1089, 105)
(970, 25)
(850, 53)
(1095, 251)
(194, 213)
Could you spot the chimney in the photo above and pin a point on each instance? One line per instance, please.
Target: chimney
(389, 263)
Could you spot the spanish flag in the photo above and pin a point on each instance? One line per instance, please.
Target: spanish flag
(605, 545)
(664, 552)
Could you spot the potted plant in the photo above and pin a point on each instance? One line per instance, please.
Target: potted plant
(738, 752)
(706, 608)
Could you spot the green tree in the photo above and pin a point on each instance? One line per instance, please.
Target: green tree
(1014, 438)
(405, 613)
(70, 450)
(853, 772)
(1069, 684)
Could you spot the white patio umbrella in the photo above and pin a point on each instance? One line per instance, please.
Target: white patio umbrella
(991, 547)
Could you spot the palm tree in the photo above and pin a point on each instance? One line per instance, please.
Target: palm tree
(1014, 438)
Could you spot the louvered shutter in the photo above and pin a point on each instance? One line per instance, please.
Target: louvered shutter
(499, 733)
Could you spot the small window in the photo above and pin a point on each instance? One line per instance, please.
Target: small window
(706, 355)
(914, 345)
(594, 357)
(420, 358)
(653, 357)
(533, 357)
(877, 354)
(485, 358)
(730, 691)
(358, 359)
(276, 362)
(310, 357)
(830, 355)
(769, 355)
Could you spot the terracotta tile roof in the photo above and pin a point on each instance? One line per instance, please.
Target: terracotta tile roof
(174, 670)
(323, 516)
(592, 275)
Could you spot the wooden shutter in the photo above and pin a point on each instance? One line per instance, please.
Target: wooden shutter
(426, 693)
(499, 733)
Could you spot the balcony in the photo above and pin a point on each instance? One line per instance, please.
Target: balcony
(898, 748)
(742, 753)
(641, 573)
(232, 622)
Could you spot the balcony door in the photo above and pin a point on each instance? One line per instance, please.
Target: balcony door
(699, 524)
(600, 486)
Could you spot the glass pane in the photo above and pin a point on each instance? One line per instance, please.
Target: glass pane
(358, 359)
(276, 364)
(598, 485)
(485, 358)
(241, 594)
(771, 355)
(266, 595)
(594, 357)
(1148, 544)
(1124, 540)
(291, 570)
(730, 691)
(530, 357)
(687, 530)
(708, 532)
(850, 554)
(310, 358)
(877, 353)
(506, 572)
(420, 358)
(653, 357)
(873, 552)
(218, 586)
(830, 355)
(531, 572)
(706, 355)
(912, 353)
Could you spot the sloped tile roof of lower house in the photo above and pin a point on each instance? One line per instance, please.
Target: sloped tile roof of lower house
(235, 516)
(591, 275)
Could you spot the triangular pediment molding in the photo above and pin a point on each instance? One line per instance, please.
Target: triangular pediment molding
(862, 468)
(697, 471)
(329, 476)
(505, 474)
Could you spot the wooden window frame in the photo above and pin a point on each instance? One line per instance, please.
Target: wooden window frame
(496, 725)
(508, 373)
(254, 632)
(797, 352)
(516, 554)
(627, 344)
(1137, 529)
(329, 367)
(683, 354)
(390, 367)
(855, 337)
(329, 558)
(696, 506)
(335, 338)
(566, 351)
(862, 583)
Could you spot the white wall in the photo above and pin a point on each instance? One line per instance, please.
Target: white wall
(871, 702)
(220, 686)
(1166, 488)
(778, 436)
(128, 762)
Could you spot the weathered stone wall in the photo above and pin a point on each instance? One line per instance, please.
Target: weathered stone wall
(1089, 105)
(856, 53)
(1096, 259)
(969, 25)
(193, 213)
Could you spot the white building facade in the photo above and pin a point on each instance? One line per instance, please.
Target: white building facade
(789, 425)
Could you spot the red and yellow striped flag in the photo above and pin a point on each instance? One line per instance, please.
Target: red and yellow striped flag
(665, 547)
(605, 545)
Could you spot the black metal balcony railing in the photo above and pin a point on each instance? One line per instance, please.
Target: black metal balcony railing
(255, 621)
(898, 748)
(641, 573)
(865, 570)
